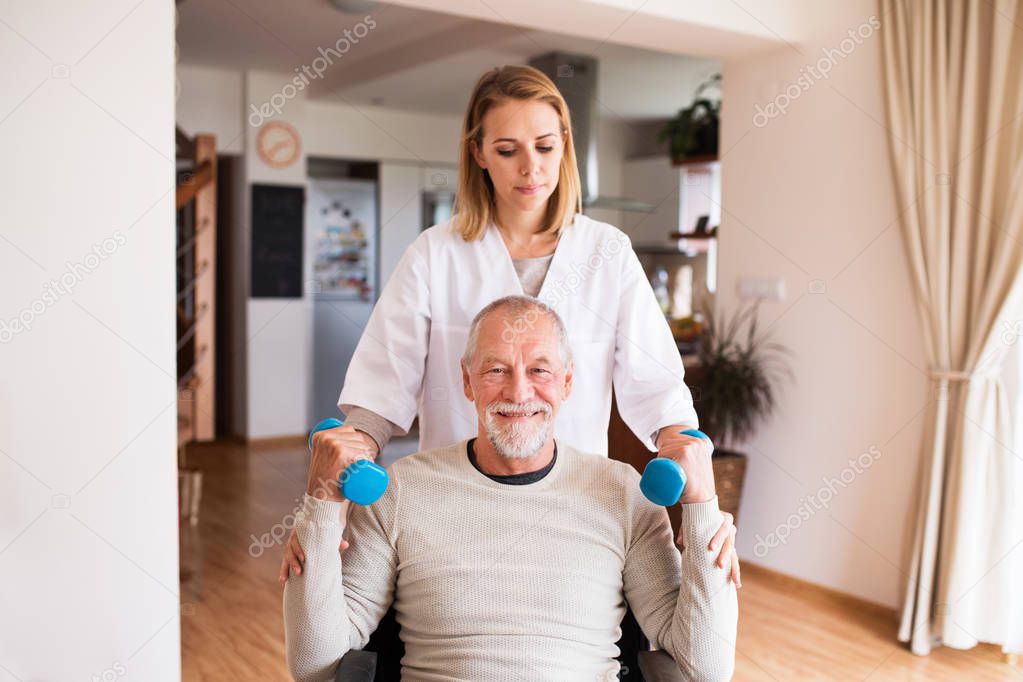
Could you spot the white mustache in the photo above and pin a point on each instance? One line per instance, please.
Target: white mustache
(520, 409)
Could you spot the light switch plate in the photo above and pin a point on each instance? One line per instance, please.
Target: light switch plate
(767, 288)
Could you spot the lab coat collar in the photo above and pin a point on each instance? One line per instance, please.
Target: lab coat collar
(497, 254)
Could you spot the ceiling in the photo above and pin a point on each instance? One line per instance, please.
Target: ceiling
(418, 60)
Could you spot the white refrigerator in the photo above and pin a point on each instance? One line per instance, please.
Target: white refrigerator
(342, 233)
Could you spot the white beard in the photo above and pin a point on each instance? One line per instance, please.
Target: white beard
(518, 441)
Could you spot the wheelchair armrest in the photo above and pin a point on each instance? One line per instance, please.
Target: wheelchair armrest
(357, 666)
(659, 666)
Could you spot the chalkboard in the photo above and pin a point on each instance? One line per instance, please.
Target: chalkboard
(277, 215)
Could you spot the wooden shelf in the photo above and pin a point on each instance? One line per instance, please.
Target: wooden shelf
(687, 247)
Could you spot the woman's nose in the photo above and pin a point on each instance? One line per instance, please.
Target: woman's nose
(531, 163)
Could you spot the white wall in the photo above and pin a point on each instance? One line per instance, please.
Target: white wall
(279, 330)
(88, 508)
(702, 28)
(377, 133)
(806, 197)
(209, 100)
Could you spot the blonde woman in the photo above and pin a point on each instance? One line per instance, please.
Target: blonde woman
(517, 228)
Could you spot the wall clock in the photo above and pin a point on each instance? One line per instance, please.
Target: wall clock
(278, 144)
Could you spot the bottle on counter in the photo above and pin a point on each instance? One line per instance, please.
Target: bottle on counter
(682, 293)
(659, 283)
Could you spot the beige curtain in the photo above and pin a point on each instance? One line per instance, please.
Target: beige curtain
(954, 84)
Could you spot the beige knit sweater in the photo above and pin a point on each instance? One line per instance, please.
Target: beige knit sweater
(493, 581)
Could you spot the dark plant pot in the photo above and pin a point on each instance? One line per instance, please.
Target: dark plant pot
(729, 474)
(694, 158)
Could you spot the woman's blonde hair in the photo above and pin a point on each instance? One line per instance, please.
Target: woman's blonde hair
(475, 200)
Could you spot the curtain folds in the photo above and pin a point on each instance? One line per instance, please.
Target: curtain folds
(953, 74)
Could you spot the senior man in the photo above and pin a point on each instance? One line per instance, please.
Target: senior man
(511, 555)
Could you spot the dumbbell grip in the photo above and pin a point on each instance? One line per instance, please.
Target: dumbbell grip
(363, 481)
(663, 480)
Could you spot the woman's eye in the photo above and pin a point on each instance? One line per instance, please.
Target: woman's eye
(511, 152)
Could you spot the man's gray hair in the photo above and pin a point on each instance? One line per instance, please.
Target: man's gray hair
(526, 311)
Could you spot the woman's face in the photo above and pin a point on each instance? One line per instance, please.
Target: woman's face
(522, 145)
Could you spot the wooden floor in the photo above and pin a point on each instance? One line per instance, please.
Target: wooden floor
(231, 620)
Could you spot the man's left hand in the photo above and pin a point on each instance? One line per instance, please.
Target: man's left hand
(725, 539)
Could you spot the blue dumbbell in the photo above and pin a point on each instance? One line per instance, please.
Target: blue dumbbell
(363, 482)
(663, 479)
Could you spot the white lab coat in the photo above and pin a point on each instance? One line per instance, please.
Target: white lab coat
(407, 360)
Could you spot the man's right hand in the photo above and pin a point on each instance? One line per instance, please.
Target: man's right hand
(334, 450)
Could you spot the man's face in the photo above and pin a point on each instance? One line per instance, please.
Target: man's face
(517, 381)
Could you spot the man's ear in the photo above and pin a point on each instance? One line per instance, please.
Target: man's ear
(567, 390)
(466, 387)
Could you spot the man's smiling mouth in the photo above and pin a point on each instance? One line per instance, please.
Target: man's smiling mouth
(519, 414)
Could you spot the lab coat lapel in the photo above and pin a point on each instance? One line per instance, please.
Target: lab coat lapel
(498, 262)
(563, 254)
(496, 254)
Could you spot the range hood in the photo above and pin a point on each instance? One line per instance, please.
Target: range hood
(576, 78)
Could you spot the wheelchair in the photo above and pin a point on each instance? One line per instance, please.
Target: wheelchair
(380, 660)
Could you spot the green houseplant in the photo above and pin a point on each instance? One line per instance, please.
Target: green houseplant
(734, 390)
(693, 133)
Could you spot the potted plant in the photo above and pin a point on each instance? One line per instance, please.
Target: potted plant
(693, 133)
(734, 390)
